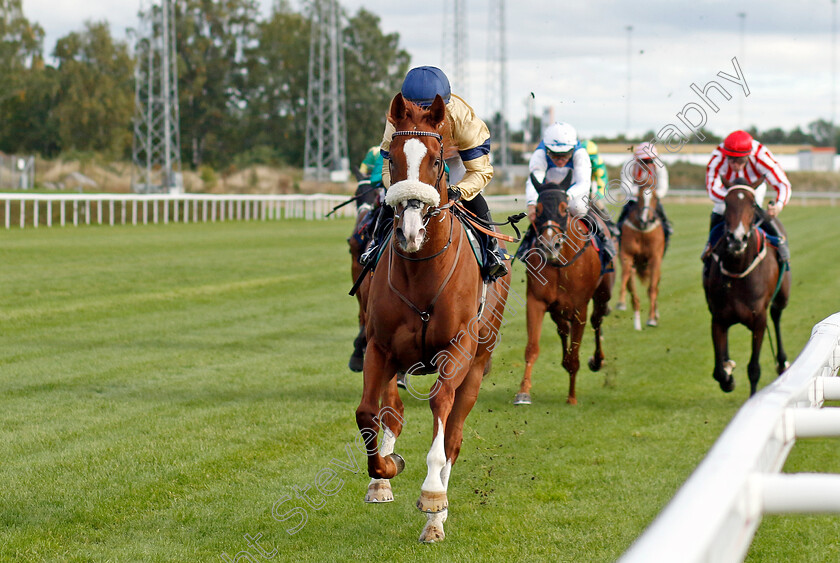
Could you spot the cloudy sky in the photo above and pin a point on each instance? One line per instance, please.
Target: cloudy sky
(573, 56)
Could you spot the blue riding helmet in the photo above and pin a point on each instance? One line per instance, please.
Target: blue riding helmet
(421, 84)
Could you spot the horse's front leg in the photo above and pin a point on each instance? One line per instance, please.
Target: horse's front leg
(779, 303)
(571, 358)
(754, 367)
(390, 420)
(655, 269)
(433, 491)
(535, 312)
(723, 365)
(357, 359)
(600, 306)
(378, 374)
(465, 397)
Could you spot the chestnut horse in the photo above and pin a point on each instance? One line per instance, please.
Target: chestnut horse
(743, 280)
(366, 198)
(564, 274)
(641, 251)
(424, 314)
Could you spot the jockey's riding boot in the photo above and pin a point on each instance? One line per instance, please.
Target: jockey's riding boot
(604, 241)
(783, 252)
(769, 225)
(494, 265)
(385, 216)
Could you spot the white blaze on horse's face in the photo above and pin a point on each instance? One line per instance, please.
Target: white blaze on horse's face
(412, 232)
(414, 152)
(740, 233)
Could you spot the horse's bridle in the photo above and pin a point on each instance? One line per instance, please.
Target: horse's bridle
(426, 134)
(432, 211)
(752, 228)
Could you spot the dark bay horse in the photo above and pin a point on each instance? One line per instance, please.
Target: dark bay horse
(564, 274)
(743, 280)
(424, 315)
(367, 197)
(641, 251)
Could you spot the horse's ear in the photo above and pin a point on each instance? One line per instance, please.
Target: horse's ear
(397, 111)
(437, 111)
(566, 183)
(358, 174)
(536, 183)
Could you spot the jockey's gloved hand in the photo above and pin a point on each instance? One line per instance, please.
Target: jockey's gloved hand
(454, 193)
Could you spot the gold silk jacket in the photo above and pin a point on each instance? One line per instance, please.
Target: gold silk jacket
(468, 132)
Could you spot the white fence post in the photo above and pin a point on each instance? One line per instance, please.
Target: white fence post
(713, 517)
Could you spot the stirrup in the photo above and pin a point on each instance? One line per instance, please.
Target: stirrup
(494, 269)
(369, 254)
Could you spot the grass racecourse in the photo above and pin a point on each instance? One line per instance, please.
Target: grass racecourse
(162, 388)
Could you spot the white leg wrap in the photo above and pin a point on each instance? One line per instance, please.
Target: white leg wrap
(386, 446)
(435, 461)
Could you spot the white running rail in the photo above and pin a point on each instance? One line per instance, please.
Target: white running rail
(49, 209)
(713, 517)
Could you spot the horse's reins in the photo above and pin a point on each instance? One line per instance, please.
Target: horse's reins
(482, 225)
(577, 255)
(753, 265)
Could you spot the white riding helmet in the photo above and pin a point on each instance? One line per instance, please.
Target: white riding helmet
(560, 137)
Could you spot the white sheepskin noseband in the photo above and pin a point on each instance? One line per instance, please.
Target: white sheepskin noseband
(405, 190)
(412, 187)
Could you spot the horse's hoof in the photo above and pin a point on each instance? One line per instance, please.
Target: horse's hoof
(728, 384)
(571, 401)
(401, 380)
(398, 461)
(594, 365)
(433, 530)
(621, 306)
(432, 501)
(432, 534)
(653, 322)
(356, 363)
(780, 369)
(522, 399)
(637, 321)
(378, 491)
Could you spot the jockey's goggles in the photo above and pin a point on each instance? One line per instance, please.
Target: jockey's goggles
(563, 154)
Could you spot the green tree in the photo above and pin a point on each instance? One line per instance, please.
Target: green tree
(212, 39)
(95, 102)
(375, 66)
(276, 86)
(823, 132)
(27, 121)
(20, 60)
